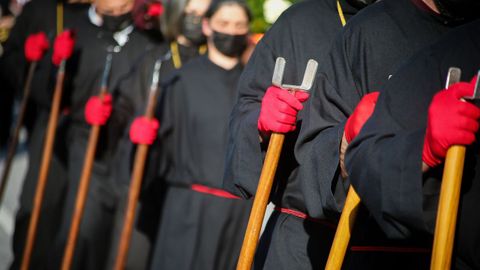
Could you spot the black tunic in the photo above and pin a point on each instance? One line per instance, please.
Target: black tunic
(84, 73)
(303, 32)
(130, 102)
(372, 46)
(384, 162)
(197, 231)
(37, 16)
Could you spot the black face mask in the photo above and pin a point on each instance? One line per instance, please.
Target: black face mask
(459, 9)
(360, 3)
(192, 29)
(116, 23)
(229, 45)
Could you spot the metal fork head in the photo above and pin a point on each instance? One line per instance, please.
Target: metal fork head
(308, 77)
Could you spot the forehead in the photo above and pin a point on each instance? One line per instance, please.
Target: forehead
(232, 13)
(106, 4)
(199, 7)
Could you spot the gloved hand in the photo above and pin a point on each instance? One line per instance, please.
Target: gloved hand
(35, 46)
(144, 130)
(63, 47)
(451, 121)
(360, 115)
(279, 110)
(98, 111)
(155, 10)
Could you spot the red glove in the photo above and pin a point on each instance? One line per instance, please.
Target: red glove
(144, 130)
(63, 47)
(35, 46)
(360, 115)
(279, 110)
(98, 111)
(450, 122)
(155, 10)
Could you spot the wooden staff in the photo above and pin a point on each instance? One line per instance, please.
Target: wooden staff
(260, 202)
(137, 176)
(269, 169)
(45, 166)
(344, 231)
(85, 177)
(449, 197)
(12, 147)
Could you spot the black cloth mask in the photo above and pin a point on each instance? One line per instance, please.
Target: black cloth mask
(230, 45)
(117, 23)
(192, 29)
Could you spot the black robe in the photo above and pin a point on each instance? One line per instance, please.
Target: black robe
(371, 48)
(84, 73)
(197, 230)
(37, 16)
(305, 31)
(385, 160)
(131, 102)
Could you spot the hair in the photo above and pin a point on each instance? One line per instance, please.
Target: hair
(170, 21)
(217, 4)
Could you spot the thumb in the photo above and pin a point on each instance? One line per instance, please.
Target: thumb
(302, 96)
(462, 89)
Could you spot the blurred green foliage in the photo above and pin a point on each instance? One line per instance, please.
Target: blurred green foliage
(259, 25)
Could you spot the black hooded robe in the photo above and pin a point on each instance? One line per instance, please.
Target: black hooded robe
(385, 160)
(305, 31)
(85, 70)
(200, 224)
(372, 47)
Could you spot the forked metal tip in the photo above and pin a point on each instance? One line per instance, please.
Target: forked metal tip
(278, 71)
(453, 76)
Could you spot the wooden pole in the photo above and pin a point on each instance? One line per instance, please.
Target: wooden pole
(44, 168)
(260, 202)
(448, 208)
(137, 177)
(12, 147)
(84, 179)
(344, 231)
(449, 197)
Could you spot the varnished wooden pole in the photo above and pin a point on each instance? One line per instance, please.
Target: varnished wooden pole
(12, 146)
(448, 208)
(260, 202)
(344, 231)
(136, 179)
(84, 179)
(44, 168)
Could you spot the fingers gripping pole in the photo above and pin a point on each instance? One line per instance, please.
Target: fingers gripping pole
(449, 196)
(269, 168)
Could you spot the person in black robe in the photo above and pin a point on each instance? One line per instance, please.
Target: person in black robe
(184, 40)
(385, 161)
(200, 222)
(37, 16)
(104, 28)
(371, 48)
(305, 31)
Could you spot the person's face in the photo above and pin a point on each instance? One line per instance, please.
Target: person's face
(197, 7)
(229, 19)
(113, 7)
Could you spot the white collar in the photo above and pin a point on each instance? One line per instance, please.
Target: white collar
(121, 37)
(93, 16)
